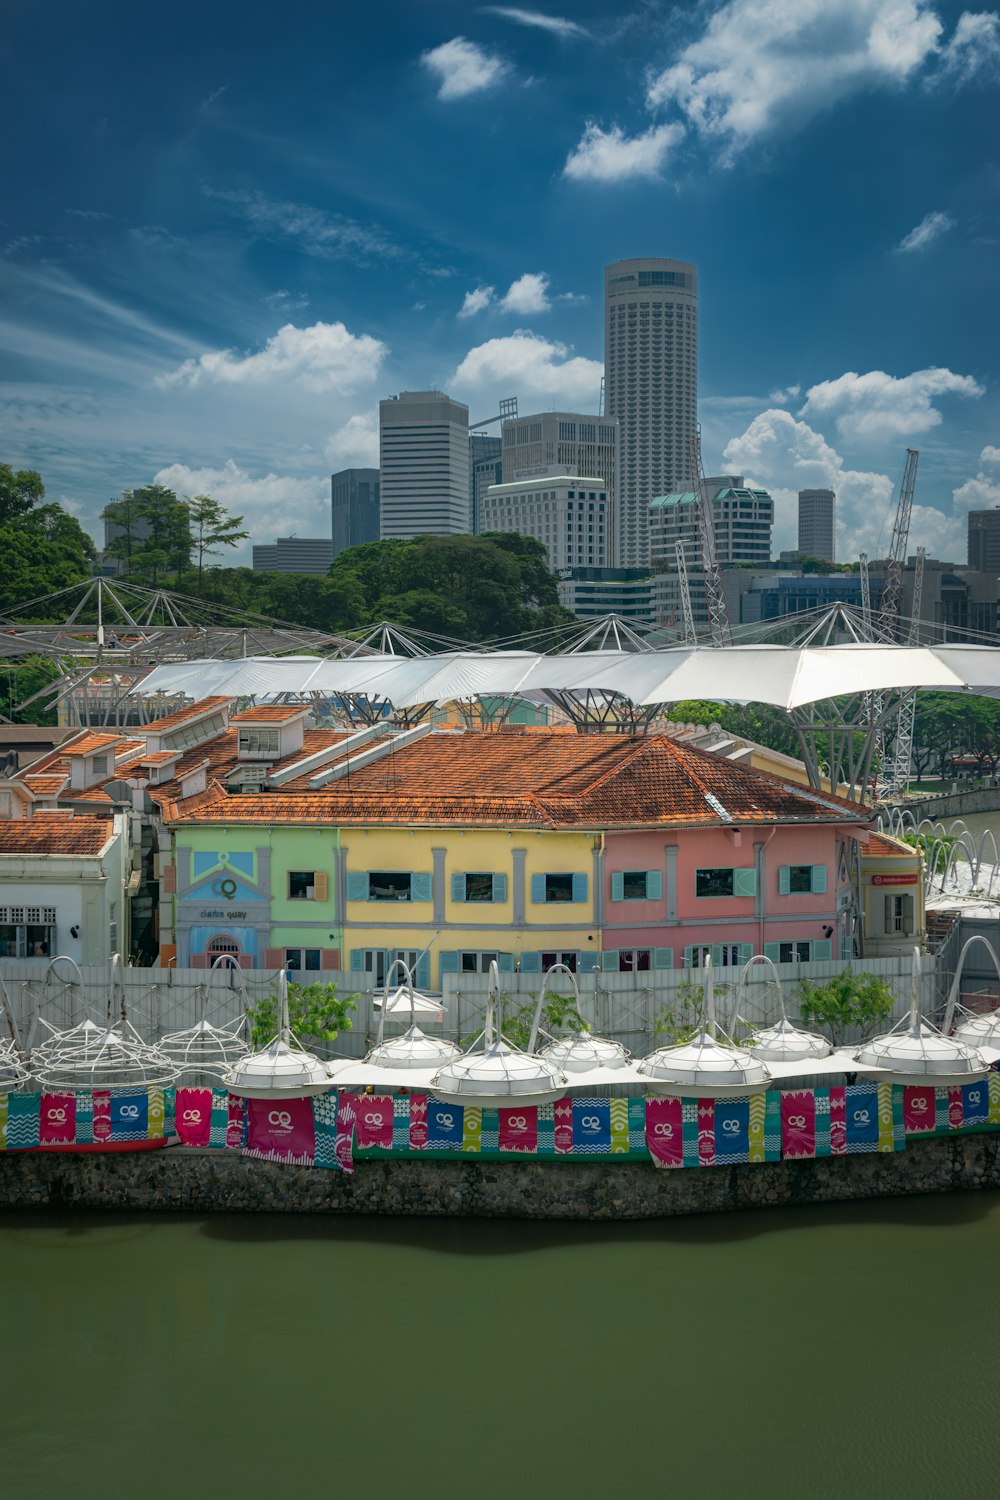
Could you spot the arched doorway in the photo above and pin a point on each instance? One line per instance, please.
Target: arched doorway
(224, 946)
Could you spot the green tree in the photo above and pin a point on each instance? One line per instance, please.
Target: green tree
(212, 527)
(845, 1003)
(759, 722)
(150, 534)
(44, 548)
(316, 1014)
(20, 491)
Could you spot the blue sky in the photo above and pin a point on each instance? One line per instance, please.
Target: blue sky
(228, 229)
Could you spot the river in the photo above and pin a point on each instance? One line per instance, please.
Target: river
(843, 1351)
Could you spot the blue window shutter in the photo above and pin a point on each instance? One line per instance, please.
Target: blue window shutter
(773, 952)
(505, 961)
(609, 960)
(421, 888)
(357, 886)
(500, 888)
(822, 950)
(688, 956)
(580, 885)
(449, 960)
(587, 961)
(744, 882)
(663, 958)
(531, 963)
(618, 886)
(654, 885)
(818, 881)
(458, 887)
(784, 881)
(357, 958)
(422, 978)
(716, 955)
(538, 890)
(746, 952)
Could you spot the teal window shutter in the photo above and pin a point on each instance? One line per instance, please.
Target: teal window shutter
(716, 955)
(531, 963)
(746, 952)
(421, 888)
(688, 956)
(654, 885)
(500, 890)
(773, 952)
(609, 960)
(505, 961)
(818, 880)
(422, 978)
(449, 961)
(822, 950)
(580, 885)
(357, 886)
(586, 961)
(744, 882)
(784, 880)
(618, 886)
(538, 890)
(458, 887)
(357, 959)
(663, 958)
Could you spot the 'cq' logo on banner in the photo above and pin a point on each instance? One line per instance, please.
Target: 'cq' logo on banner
(373, 1119)
(862, 1116)
(517, 1122)
(129, 1111)
(191, 1116)
(57, 1115)
(446, 1121)
(280, 1119)
(665, 1130)
(590, 1122)
(918, 1106)
(797, 1122)
(730, 1127)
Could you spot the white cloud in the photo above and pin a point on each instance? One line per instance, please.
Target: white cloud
(758, 66)
(785, 397)
(323, 357)
(355, 445)
(273, 504)
(528, 294)
(879, 405)
(982, 492)
(557, 25)
(612, 156)
(476, 301)
(530, 367)
(462, 68)
(973, 47)
(931, 227)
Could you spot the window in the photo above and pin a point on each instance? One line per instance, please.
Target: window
(569, 959)
(725, 882)
(558, 887)
(479, 885)
(798, 952)
(696, 955)
(899, 915)
(634, 960)
(476, 963)
(302, 958)
(262, 742)
(306, 885)
(99, 765)
(799, 880)
(376, 962)
(390, 885)
(636, 885)
(27, 932)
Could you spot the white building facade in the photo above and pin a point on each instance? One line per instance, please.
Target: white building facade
(554, 443)
(569, 514)
(424, 464)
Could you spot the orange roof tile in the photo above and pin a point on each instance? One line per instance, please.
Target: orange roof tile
(879, 847)
(157, 757)
(182, 715)
(271, 713)
(45, 785)
(90, 744)
(68, 835)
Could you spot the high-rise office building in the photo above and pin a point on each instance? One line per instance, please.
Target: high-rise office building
(485, 468)
(743, 519)
(984, 540)
(567, 513)
(354, 500)
(555, 443)
(818, 524)
(651, 387)
(293, 554)
(424, 463)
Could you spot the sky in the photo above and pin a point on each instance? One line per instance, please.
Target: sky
(227, 230)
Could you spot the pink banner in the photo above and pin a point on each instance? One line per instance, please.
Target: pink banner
(838, 1121)
(798, 1124)
(194, 1116)
(956, 1109)
(919, 1109)
(706, 1132)
(346, 1106)
(57, 1119)
(102, 1114)
(664, 1132)
(373, 1121)
(234, 1126)
(418, 1122)
(562, 1112)
(519, 1128)
(282, 1130)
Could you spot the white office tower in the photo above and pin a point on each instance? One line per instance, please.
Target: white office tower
(818, 523)
(424, 462)
(651, 387)
(567, 513)
(557, 443)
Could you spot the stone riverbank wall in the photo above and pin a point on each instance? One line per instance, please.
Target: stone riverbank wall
(171, 1180)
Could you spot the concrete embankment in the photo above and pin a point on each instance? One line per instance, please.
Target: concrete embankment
(209, 1182)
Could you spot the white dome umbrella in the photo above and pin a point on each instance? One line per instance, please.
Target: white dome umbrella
(578, 1051)
(975, 1031)
(113, 1056)
(782, 1042)
(500, 1074)
(703, 1068)
(921, 1055)
(413, 1051)
(283, 1069)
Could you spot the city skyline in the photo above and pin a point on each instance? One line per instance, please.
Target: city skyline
(217, 293)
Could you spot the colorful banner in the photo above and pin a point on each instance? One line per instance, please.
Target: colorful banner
(517, 1129)
(373, 1116)
(281, 1130)
(664, 1132)
(57, 1120)
(193, 1116)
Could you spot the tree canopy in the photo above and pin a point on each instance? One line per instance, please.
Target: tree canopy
(43, 547)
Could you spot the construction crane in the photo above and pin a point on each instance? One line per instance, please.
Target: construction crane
(866, 595)
(690, 634)
(508, 410)
(898, 776)
(892, 591)
(719, 629)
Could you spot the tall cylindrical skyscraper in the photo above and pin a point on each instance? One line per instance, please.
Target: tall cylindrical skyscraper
(651, 386)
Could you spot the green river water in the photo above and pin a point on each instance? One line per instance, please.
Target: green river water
(846, 1351)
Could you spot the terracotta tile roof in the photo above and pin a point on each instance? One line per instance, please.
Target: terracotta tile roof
(157, 757)
(45, 785)
(272, 713)
(223, 758)
(86, 794)
(90, 744)
(182, 715)
(546, 780)
(879, 847)
(80, 835)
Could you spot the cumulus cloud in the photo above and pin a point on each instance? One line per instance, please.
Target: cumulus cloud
(528, 294)
(476, 301)
(982, 492)
(557, 25)
(323, 357)
(931, 227)
(756, 67)
(536, 368)
(355, 444)
(461, 67)
(273, 504)
(973, 47)
(787, 396)
(612, 156)
(877, 405)
(786, 455)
